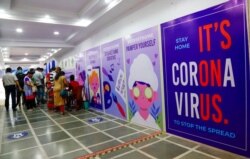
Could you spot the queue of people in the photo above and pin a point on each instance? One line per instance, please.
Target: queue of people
(29, 89)
(62, 93)
(23, 88)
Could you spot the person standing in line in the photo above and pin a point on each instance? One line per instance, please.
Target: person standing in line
(49, 81)
(20, 94)
(29, 95)
(76, 92)
(59, 84)
(38, 77)
(10, 82)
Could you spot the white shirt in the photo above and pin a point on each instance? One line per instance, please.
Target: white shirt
(9, 79)
(149, 122)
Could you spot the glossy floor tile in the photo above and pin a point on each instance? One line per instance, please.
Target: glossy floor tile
(45, 134)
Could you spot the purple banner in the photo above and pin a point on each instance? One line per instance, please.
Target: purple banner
(206, 68)
(114, 79)
(69, 72)
(80, 70)
(143, 78)
(93, 65)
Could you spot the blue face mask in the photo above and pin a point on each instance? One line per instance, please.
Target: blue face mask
(19, 71)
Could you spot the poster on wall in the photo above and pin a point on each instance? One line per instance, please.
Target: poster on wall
(68, 72)
(114, 87)
(143, 78)
(80, 75)
(206, 69)
(93, 65)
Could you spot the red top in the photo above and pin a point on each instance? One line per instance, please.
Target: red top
(74, 86)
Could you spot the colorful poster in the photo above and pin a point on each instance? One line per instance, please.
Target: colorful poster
(206, 68)
(114, 87)
(143, 78)
(93, 64)
(80, 68)
(69, 72)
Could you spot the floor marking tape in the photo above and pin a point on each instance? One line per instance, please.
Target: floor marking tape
(123, 145)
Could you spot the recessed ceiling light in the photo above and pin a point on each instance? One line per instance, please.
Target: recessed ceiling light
(108, 1)
(26, 54)
(56, 33)
(19, 30)
(84, 22)
(47, 16)
(5, 49)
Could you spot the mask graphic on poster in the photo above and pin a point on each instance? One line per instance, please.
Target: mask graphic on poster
(143, 86)
(94, 88)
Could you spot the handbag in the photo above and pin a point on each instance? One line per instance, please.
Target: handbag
(64, 93)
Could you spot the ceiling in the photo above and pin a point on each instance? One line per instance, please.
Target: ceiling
(73, 20)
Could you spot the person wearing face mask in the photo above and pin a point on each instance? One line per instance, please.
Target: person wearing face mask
(20, 94)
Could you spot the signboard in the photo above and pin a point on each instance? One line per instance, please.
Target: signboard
(18, 135)
(114, 86)
(206, 68)
(143, 78)
(93, 64)
(95, 120)
(80, 70)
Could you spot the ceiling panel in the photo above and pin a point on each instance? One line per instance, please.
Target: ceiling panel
(59, 5)
(37, 37)
(35, 31)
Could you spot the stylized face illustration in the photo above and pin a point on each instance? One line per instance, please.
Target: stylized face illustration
(143, 95)
(94, 84)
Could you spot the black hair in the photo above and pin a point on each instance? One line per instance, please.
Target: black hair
(8, 70)
(143, 83)
(19, 68)
(59, 74)
(72, 77)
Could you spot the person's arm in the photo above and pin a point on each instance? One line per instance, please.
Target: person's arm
(65, 82)
(18, 85)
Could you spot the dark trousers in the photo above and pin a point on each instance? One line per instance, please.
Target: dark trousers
(39, 94)
(10, 90)
(20, 94)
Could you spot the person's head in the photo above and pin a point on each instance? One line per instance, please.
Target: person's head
(19, 68)
(143, 82)
(58, 69)
(8, 70)
(72, 77)
(94, 82)
(32, 70)
(30, 73)
(59, 74)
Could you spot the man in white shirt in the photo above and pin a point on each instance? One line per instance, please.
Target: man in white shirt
(10, 82)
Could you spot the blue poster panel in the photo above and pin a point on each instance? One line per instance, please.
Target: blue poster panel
(114, 84)
(93, 64)
(206, 69)
(143, 78)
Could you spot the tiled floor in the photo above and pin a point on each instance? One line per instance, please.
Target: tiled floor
(54, 136)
